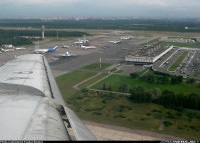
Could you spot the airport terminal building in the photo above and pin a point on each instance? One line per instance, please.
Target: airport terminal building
(153, 56)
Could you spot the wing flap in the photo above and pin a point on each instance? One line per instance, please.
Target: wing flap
(81, 132)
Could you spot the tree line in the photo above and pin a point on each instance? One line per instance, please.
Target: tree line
(15, 33)
(17, 37)
(16, 41)
(167, 98)
(161, 78)
(126, 24)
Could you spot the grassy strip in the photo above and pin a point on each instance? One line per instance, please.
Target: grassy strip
(119, 71)
(96, 66)
(113, 70)
(140, 73)
(67, 81)
(150, 42)
(116, 80)
(178, 61)
(197, 73)
(86, 84)
(189, 45)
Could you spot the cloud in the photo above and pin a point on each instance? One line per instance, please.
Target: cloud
(137, 8)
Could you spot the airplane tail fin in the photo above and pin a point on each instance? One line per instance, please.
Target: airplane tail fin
(55, 47)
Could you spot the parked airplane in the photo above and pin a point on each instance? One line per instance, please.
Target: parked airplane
(81, 41)
(88, 47)
(125, 38)
(65, 55)
(18, 48)
(65, 46)
(45, 50)
(115, 42)
(6, 50)
(32, 107)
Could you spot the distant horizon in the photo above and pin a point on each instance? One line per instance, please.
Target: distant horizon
(98, 17)
(100, 8)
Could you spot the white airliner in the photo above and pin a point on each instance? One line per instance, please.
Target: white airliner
(115, 42)
(78, 42)
(7, 50)
(45, 50)
(65, 46)
(125, 38)
(67, 54)
(12, 49)
(88, 47)
(18, 48)
(81, 41)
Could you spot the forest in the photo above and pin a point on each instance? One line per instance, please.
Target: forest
(18, 37)
(125, 24)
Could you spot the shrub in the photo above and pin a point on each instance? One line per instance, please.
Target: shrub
(134, 75)
(84, 90)
(167, 123)
(97, 113)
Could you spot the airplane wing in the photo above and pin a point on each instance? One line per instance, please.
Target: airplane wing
(31, 105)
(59, 55)
(41, 50)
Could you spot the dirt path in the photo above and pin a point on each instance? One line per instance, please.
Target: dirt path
(76, 85)
(109, 132)
(98, 81)
(105, 91)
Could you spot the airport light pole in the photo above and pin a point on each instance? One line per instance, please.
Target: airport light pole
(100, 60)
(57, 35)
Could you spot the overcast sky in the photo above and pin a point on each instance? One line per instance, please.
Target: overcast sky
(100, 8)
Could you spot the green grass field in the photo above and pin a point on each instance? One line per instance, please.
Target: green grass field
(119, 71)
(197, 73)
(113, 70)
(189, 45)
(116, 80)
(121, 111)
(140, 73)
(84, 85)
(96, 66)
(178, 61)
(150, 42)
(67, 81)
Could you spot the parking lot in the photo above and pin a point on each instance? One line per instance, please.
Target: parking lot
(186, 68)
